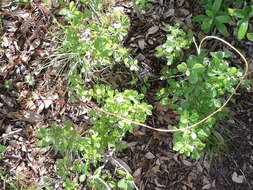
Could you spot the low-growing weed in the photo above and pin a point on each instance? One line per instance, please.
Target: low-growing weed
(199, 92)
(199, 87)
(244, 16)
(106, 134)
(215, 16)
(196, 86)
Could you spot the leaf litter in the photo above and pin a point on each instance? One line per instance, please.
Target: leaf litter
(149, 155)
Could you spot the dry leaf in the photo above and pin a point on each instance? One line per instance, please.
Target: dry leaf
(237, 178)
(149, 156)
(137, 172)
(152, 30)
(32, 117)
(141, 44)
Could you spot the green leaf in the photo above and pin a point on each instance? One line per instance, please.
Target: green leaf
(242, 30)
(182, 67)
(178, 145)
(165, 101)
(206, 25)
(64, 12)
(198, 67)
(222, 28)
(72, 5)
(217, 103)
(250, 36)
(199, 18)
(231, 11)
(2, 148)
(217, 5)
(209, 13)
(122, 184)
(82, 178)
(223, 18)
(121, 172)
(193, 78)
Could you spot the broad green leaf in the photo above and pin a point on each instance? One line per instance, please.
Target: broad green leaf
(206, 25)
(198, 67)
(184, 118)
(250, 36)
(247, 11)
(199, 18)
(242, 30)
(121, 172)
(209, 13)
(239, 13)
(222, 28)
(182, 67)
(193, 78)
(223, 18)
(217, 5)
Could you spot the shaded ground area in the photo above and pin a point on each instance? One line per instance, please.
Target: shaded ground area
(26, 43)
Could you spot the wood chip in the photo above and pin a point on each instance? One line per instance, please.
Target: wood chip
(149, 156)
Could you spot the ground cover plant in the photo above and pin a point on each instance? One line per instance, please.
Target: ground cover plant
(212, 78)
(195, 82)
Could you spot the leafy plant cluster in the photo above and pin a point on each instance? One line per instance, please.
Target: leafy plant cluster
(92, 41)
(199, 91)
(218, 13)
(177, 40)
(90, 148)
(196, 86)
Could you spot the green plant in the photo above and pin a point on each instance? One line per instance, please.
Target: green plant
(2, 149)
(244, 17)
(106, 133)
(91, 45)
(9, 182)
(214, 17)
(92, 42)
(176, 41)
(140, 3)
(200, 91)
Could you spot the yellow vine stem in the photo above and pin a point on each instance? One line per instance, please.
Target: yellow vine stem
(93, 106)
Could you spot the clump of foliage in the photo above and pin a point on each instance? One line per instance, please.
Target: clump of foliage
(177, 40)
(106, 133)
(243, 16)
(92, 42)
(200, 88)
(200, 91)
(215, 17)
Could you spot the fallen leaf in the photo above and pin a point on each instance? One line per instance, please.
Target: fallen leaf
(237, 178)
(137, 172)
(149, 156)
(141, 44)
(152, 30)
